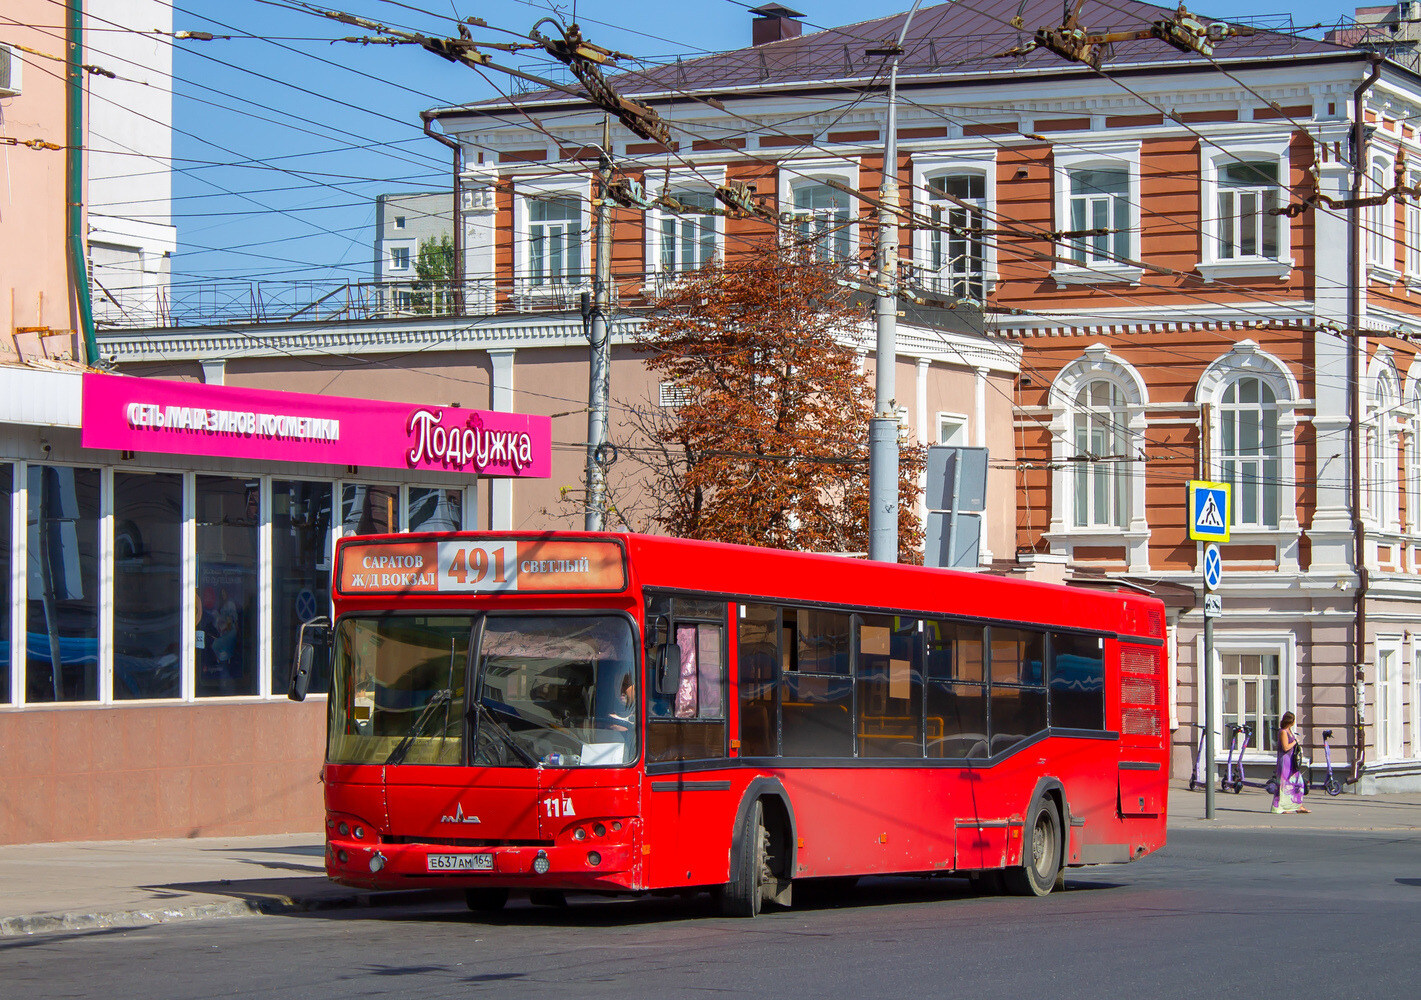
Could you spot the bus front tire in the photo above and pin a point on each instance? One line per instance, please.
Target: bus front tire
(744, 893)
(485, 900)
(1041, 853)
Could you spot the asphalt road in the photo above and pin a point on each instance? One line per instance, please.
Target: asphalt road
(1218, 913)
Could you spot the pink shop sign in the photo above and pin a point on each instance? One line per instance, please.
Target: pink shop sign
(187, 418)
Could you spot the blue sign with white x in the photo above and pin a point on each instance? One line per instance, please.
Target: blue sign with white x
(1213, 567)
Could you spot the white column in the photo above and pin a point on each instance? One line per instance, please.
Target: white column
(979, 409)
(924, 437)
(501, 489)
(480, 227)
(189, 578)
(106, 582)
(19, 566)
(266, 623)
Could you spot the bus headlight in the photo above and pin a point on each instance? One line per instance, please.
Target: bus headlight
(377, 862)
(593, 859)
(541, 864)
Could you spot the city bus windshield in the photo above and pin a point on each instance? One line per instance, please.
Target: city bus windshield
(549, 689)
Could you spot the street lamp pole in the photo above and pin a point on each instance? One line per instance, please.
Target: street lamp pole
(883, 429)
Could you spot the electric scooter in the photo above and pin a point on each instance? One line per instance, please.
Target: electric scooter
(1233, 771)
(1332, 784)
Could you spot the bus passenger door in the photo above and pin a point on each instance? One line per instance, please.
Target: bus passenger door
(689, 804)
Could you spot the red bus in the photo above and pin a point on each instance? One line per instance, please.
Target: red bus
(627, 713)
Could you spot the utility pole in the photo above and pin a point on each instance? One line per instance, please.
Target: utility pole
(883, 429)
(598, 343)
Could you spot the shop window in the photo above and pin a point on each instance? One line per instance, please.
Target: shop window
(62, 522)
(816, 691)
(890, 690)
(228, 528)
(300, 571)
(955, 691)
(688, 723)
(7, 559)
(369, 510)
(1077, 699)
(147, 616)
(435, 509)
(758, 659)
(1018, 689)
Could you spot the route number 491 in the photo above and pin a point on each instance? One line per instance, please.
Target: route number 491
(478, 566)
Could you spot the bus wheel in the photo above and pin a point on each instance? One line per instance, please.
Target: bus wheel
(485, 900)
(1042, 854)
(743, 894)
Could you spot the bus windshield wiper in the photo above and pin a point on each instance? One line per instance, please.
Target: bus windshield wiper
(504, 736)
(402, 748)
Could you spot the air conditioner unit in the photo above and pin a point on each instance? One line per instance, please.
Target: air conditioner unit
(9, 71)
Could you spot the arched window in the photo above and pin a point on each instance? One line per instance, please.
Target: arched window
(1249, 450)
(1382, 496)
(1101, 438)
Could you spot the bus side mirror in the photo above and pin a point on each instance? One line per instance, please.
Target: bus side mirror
(668, 668)
(313, 649)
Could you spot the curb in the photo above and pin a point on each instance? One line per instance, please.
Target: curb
(48, 923)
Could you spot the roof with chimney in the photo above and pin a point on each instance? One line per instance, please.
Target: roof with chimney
(944, 41)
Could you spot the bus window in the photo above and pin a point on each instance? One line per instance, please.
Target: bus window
(1018, 707)
(889, 674)
(1077, 681)
(816, 692)
(689, 722)
(955, 692)
(759, 654)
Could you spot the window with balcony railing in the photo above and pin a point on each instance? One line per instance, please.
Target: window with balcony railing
(956, 263)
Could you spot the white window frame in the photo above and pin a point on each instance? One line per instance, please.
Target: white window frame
(1381, 430)
(1412, 235)
(703, 180)
(1388, 687)
(525, 190)
(1248, 359)
(1415, 734)
(1094, 154)
(1411, 416)
(1095, 363)
(1223, 150)
(796, 174)
(1245, 643)
(953, 429)
(1379, 221)
(1117, 483)
(925, 168)
(395, 266)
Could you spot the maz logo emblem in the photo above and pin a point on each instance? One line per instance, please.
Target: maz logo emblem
(459, 816)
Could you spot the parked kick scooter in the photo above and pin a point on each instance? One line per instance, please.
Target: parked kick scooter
(1331, 783)
(1233, 774)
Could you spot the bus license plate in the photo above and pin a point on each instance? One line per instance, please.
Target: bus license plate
(460, 862)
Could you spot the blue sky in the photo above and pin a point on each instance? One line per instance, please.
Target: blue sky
(283, 138)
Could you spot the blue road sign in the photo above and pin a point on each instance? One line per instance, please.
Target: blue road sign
(1209, 514)
(1213, 566)
(305, 605)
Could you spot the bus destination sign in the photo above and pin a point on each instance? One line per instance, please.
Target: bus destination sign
(482, 566)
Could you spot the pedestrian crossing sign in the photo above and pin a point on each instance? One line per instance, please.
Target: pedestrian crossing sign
(1209, 511)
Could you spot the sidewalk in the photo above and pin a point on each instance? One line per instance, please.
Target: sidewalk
(84, 886)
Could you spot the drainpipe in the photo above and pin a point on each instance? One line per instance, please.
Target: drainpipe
(458, 288)
(74, 181)
(1355, 277)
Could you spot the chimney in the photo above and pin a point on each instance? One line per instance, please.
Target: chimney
(774, 23)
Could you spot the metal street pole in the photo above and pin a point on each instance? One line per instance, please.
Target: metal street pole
(1208, 715)
(883, 429)
(598, 344)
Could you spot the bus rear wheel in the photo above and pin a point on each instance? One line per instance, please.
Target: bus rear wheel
(1041, 855)
(485, 900)
(743, 895)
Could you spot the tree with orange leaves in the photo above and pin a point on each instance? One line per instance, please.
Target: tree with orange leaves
(769, 444)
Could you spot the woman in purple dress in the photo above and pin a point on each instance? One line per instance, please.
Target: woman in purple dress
(1289, 798)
